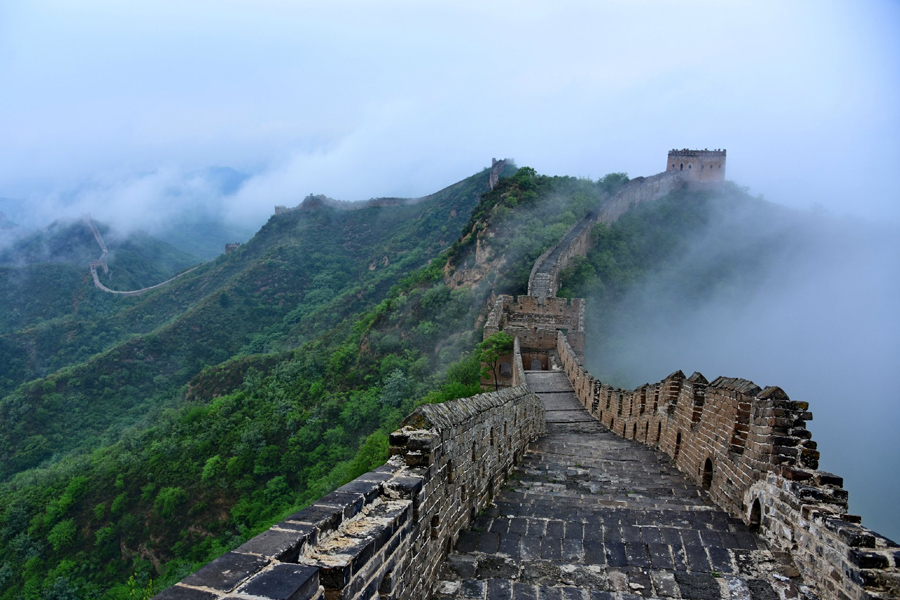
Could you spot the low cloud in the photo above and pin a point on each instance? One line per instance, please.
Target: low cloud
(821, 321)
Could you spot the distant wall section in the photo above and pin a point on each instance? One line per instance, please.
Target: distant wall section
(535, 323)
(544, 279)
(699, 167)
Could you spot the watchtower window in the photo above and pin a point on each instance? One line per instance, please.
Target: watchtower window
(681, 167)
(689, 166)
(755, 515)
(706, 482)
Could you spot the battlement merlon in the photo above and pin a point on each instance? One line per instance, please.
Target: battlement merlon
(687, 152)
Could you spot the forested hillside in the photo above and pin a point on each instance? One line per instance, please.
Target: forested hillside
(44, 275)
(269, 376)
(256, 383)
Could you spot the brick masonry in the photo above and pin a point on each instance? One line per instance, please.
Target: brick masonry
(588, 515)
(750, 449)
(544, 279)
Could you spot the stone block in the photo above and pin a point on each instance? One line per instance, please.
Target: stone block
(868, 560)
(368, 488)
(284, 582)
(825, 478)
(325, 518)
(281, 544)
(857, 537)
(227, 571)
(419, 459)
(407, 487)
(177, 592)
(349, 503)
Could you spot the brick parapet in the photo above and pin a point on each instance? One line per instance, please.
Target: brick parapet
(638, 191)
(385, 533)
(545, 273)
(535, 320)
(750, 449)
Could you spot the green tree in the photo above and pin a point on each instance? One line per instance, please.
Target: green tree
(490, 351)
(62, 535)
(168, 500)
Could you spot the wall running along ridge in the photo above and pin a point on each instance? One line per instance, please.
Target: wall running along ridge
(750, 449)
(544, 279)
(385, 533)
(101, 263)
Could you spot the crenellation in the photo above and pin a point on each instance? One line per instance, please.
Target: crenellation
(769, 480)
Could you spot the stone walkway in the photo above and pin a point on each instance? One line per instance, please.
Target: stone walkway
(591, 516)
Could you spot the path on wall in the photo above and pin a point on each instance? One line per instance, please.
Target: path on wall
(595, 516)
(544, 279)
(101, 262)
(542, 282)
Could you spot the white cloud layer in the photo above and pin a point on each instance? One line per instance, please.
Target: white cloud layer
(356, 99)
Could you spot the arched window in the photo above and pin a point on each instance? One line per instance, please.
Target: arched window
(677, 446)
(681, 167)
(755, 516)
(536, 365)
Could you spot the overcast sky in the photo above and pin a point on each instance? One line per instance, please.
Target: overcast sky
(112, 105)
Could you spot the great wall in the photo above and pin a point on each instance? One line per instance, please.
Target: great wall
(101, 263)
(560, 486)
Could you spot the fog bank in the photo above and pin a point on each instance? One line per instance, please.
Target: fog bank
(823, 323)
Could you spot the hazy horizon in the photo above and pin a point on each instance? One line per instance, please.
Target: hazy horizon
(119, 111)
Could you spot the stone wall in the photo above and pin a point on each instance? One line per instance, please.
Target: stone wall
(640, 190)
(534, 322)
(384, 534)
(750, 449)
(544, 279)
(497, 167)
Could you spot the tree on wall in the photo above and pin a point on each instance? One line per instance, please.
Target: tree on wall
(490, 351)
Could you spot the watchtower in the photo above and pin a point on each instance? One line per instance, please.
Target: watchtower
(698, 166)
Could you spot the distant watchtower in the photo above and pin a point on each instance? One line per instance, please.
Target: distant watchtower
(704, 167)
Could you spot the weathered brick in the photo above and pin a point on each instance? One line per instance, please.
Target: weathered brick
(227, 571)
(284, 582)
